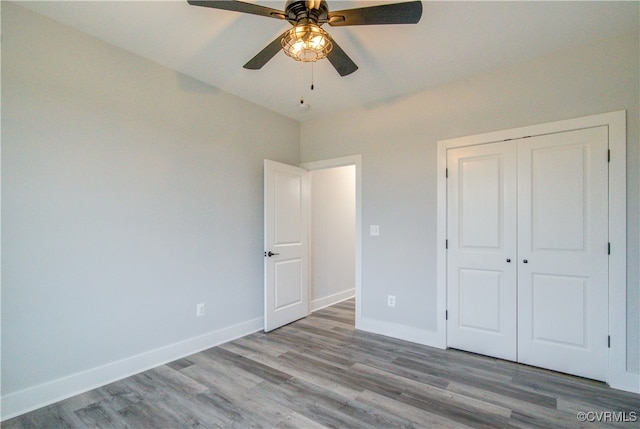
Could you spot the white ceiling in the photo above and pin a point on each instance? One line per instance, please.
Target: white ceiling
(453, 40)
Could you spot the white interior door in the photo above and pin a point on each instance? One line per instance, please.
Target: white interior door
(286, 206)
(481, 264)
(563, 258)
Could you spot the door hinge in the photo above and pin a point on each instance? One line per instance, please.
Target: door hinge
(609, 341)
(609, 248)
(446, 243)
(446, 173)
(446, 315)
(608, 155)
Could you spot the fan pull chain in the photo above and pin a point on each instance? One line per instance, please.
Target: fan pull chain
(301, 83)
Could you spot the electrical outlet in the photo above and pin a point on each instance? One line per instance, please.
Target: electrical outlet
(374, 230)
(200, 309)
(391, 300)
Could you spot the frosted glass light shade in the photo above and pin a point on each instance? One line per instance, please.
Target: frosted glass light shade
(307, 42)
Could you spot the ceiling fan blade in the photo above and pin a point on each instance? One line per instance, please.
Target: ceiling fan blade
(394, 13)
(265, 55)
(340, 60)
(238, 6)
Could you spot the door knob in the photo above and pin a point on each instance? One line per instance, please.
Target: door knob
(525, 261)
(508, 260)
(270, 254)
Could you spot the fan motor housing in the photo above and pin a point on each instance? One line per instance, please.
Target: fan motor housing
(297, 11)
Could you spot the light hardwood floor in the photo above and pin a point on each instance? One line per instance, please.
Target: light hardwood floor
(320, 372)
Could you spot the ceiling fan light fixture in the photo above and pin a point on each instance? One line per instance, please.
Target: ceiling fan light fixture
(306, 42)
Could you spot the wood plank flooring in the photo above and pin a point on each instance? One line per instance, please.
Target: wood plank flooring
(321, 373)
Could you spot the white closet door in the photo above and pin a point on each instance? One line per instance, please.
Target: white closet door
(563, 262)
(481, 297)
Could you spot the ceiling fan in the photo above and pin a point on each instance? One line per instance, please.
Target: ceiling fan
(307, 41)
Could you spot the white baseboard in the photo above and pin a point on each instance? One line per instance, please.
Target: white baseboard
(330, 300)
(32, 398)
(401, 332)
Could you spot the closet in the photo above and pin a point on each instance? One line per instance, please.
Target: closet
(527, 258)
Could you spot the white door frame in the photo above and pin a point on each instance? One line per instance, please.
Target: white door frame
(355, 160)
(618, 376)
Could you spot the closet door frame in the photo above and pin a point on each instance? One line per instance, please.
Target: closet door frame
(618, 377)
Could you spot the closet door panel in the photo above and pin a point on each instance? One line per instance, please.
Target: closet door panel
(481, 286)
(562, 248)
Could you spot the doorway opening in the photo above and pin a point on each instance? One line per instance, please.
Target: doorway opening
(334, 232)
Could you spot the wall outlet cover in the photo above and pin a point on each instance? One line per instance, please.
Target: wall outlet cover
(200, 309)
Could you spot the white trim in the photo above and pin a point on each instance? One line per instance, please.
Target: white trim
(441, 239)
(401, 332)
(618, 376)
(23, 401)
(332, 163)
(328, 301)
(342, 162)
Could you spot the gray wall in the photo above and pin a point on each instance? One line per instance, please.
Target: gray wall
(398, 140)
(130, 193)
